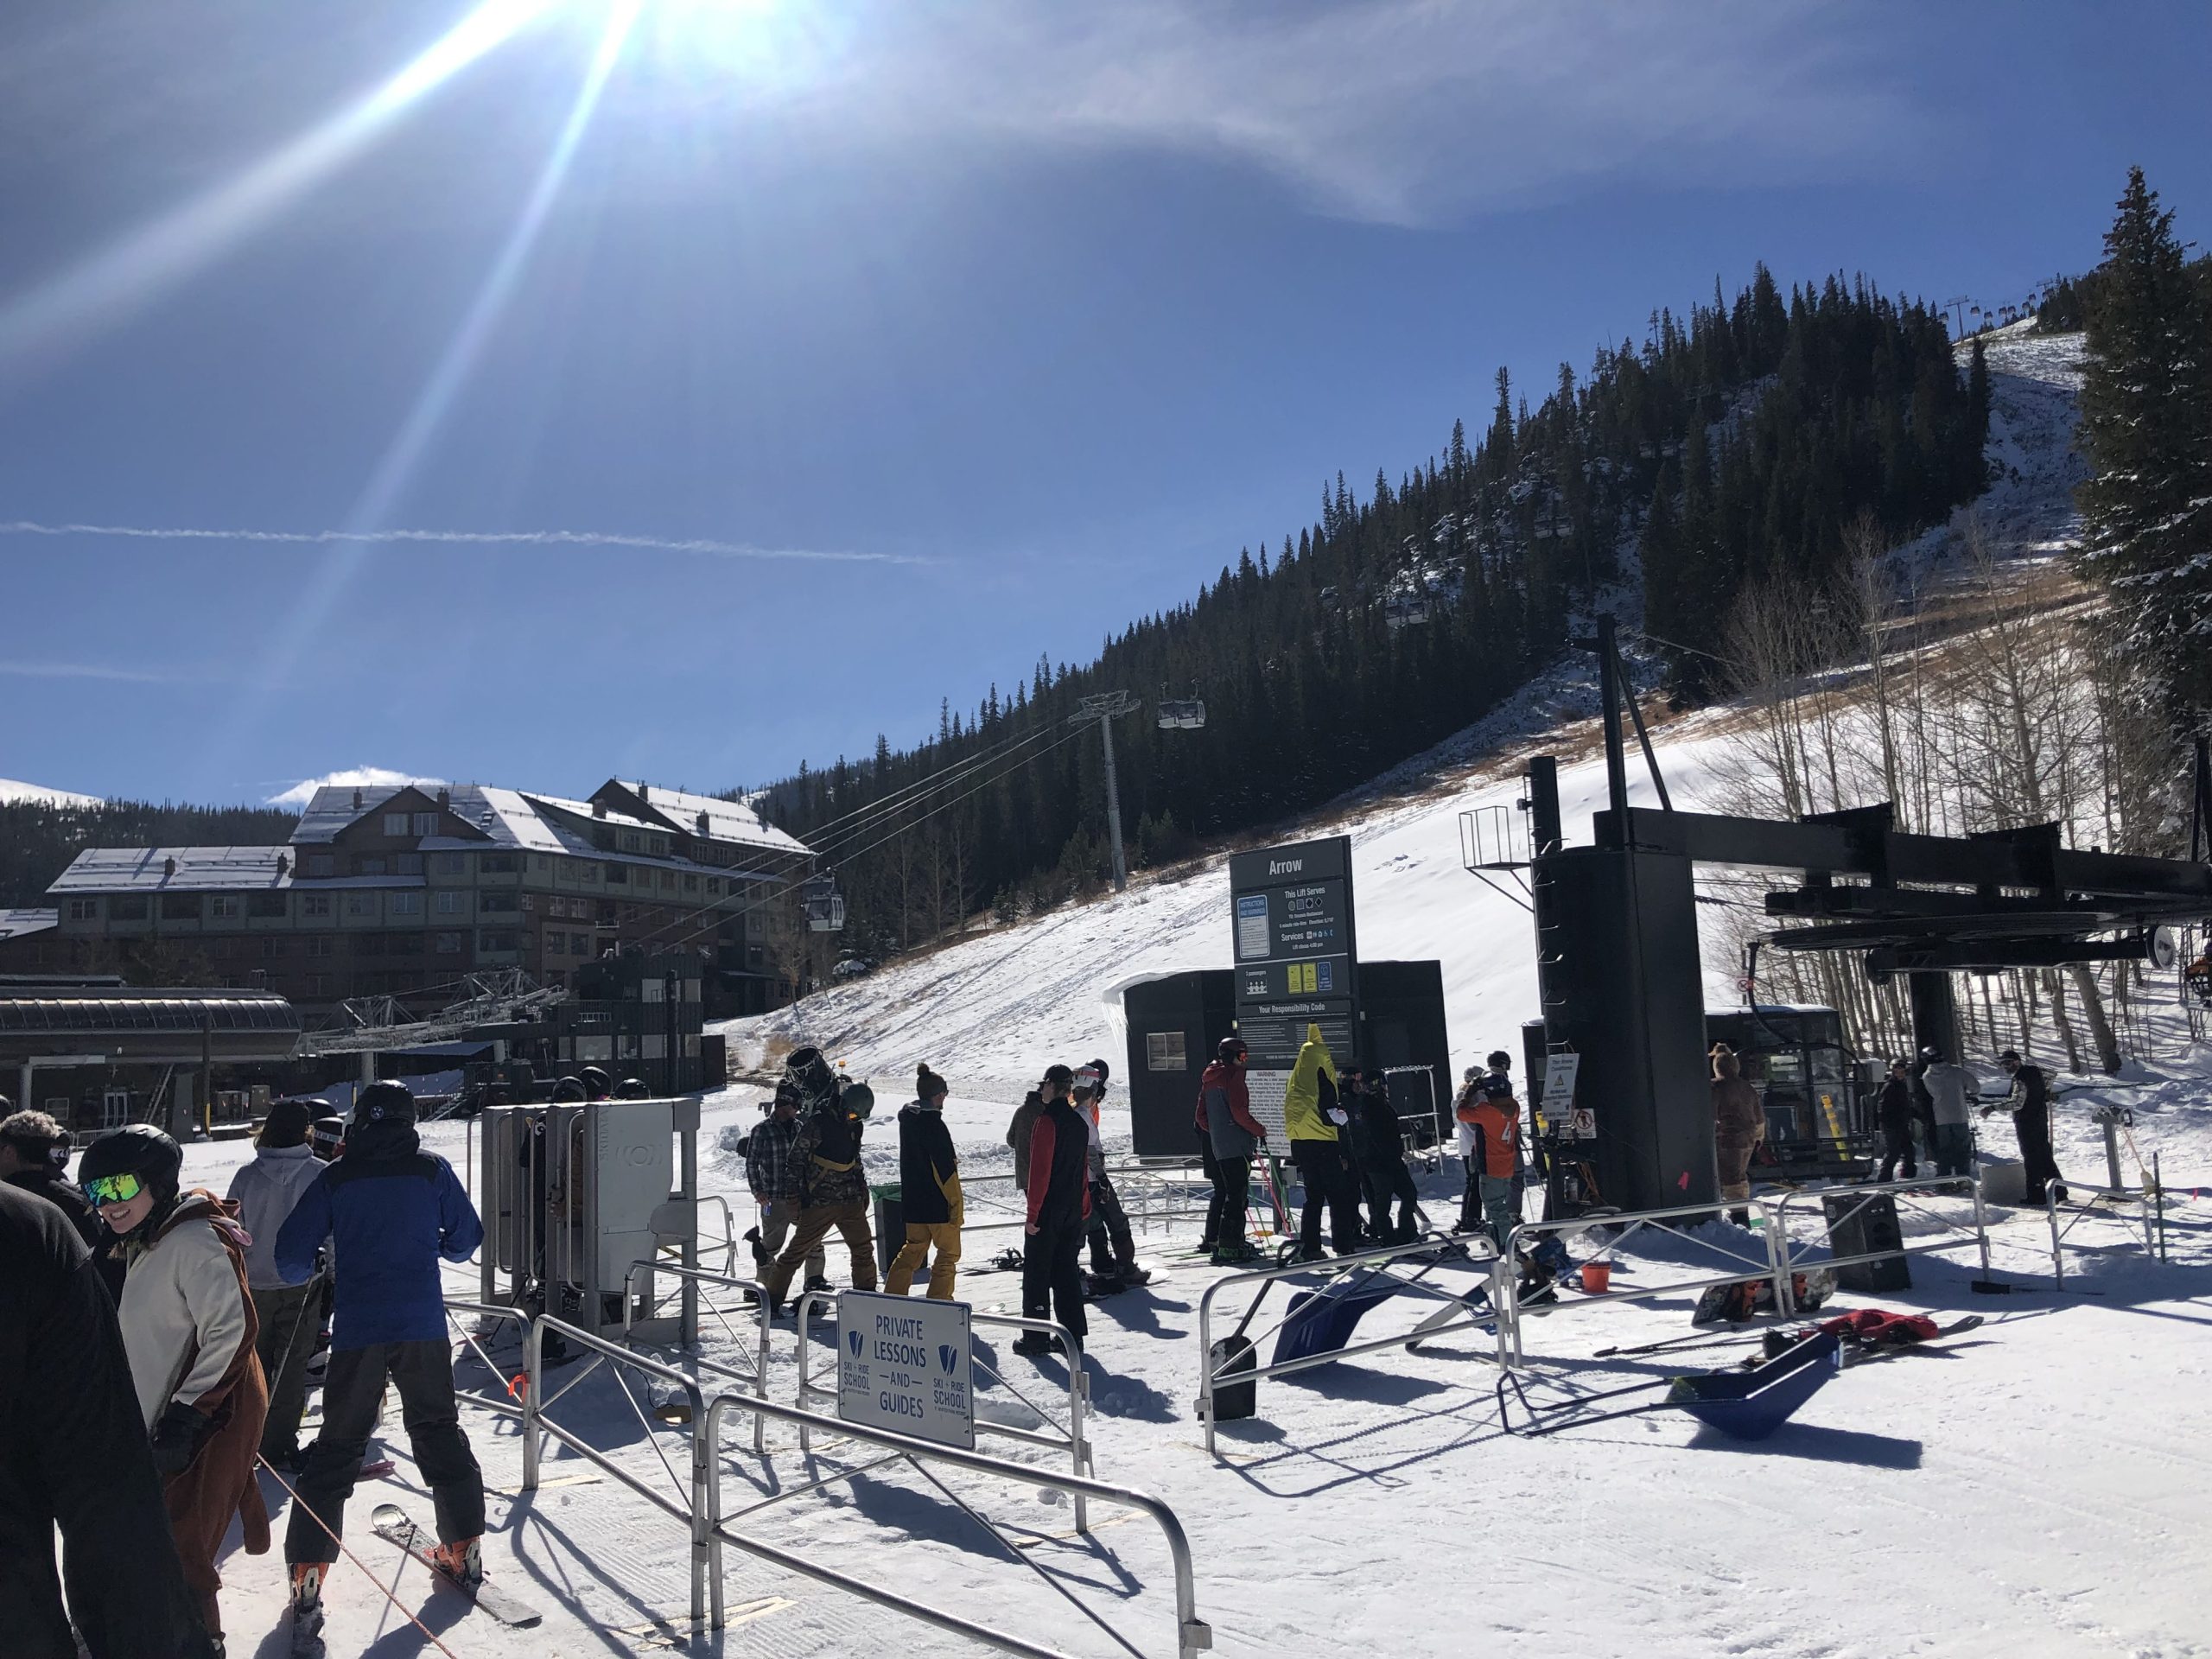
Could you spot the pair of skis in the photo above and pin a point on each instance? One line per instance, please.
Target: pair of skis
(392, 1524)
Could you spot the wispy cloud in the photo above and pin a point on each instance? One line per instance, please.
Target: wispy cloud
(702, 546)
(1404, 112)
(90, 671)
(351, 777)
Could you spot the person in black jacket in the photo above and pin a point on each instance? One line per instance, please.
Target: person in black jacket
(1895, 1112)
(74, 1454)
(2030, 1104)
(1059, 1207)
(34, 1153)
(1382, 1158)
(929, 1190)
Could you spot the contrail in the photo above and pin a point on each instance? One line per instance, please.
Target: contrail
(702, 546)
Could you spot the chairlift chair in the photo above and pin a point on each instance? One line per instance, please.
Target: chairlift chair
(824, 904)
(1181, 713)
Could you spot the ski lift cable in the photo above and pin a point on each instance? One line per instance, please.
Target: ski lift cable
(921, 784)
(868, 818)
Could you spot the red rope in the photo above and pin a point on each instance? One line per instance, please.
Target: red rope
(429, 1635)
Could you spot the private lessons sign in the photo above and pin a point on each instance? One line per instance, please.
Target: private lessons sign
(903, 1365)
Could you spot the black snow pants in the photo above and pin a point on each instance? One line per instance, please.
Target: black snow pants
(1329, 1180)
(1052, 1275)
(1384, 1184)
(353, 1391)
(1897, 1150)
(1232, 1185)
(1112, 1250)
(2038, 1165)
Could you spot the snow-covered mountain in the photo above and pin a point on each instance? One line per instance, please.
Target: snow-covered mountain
(11, 792)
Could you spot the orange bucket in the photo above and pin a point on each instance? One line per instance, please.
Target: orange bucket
(1596, 1276)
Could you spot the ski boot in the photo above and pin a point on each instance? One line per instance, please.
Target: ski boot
(1132, 1275)
(1236, 1253)
(1098, 1285)
(307, 1607)
(1034, 1345)
(463, 1562)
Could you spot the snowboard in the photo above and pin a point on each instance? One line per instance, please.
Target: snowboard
(393, 1525)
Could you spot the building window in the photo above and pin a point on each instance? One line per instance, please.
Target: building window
(530, 901)
(84, 910)
(690, 884)
(579, 944)
(318, 984)
(423, 824)
(618, 874)
(407, 864)
(265, 904)
(394, 823)
(124, 907)
(226, 907)
(180, 906)
(313, 904)
(406, 944)
(449, 904)
(319, 945)
(323, 864)
(495, 939)
(591, 874)
(714, 884)
(496, 864)
(667, 880)
(447, 864)
(628, 841)
(360, 904)
(404, 904)
(448, 945)
(273, 945)
(496, 901)
(368, 945)
(370, 866)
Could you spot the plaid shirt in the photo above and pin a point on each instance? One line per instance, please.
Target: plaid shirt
(771, 1164)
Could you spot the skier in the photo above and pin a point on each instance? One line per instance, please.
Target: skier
(1383, 1160)
(73, 1456)
(1489, 1133)
(1059, 1190)
(1738, 1126)
(392, 1212)
(2030, 1105)
(188, 1328)
(1315, 1120)
(771, 1171)
(833, 1187)
(35, 1156)
(1894, 1110)
(289, 1316)
(1228, 1136)
(1113, 1251)
(929, 1190)
(1950, 1086)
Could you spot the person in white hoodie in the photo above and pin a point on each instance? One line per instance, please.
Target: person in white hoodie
(289, 1315)
(1951, 1087)
(187, 1331)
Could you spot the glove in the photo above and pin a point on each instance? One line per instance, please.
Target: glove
(178, 1434)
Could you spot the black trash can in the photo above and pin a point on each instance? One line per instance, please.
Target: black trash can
(1859, 1225)
(890, 1225)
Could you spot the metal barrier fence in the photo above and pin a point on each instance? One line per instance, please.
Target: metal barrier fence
(1474, 1251)
(1787, 1256)
(1629, 1224)
(759, 1376)
(2083, 1208)
(1072, 1440)
(695, 1506)
(1192, 1635)
(492, 1311)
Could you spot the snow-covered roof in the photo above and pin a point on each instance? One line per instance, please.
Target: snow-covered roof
(21, 923)
(229, 869)
(680, 810)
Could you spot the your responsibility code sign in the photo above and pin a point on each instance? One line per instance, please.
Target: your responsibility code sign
(903, 1365)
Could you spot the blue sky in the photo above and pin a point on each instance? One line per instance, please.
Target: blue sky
(897, 344)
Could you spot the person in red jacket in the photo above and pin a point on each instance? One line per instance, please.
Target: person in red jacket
(1228, 1136)
(1059, 1208)
(1493, 1122)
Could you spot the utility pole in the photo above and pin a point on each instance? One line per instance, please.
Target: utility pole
(1102, 708)
(1956, 305)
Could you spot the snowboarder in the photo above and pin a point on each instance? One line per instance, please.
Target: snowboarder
(1738, 1126)
(1896, 1113)
(289, 1316)
(1113, 1251)
(392, 1212)
(1950, 1086)
(929, 1190)
(35, 1156)
(75, 1458)
(771, 1171)
(1489, 1133)
(1315, 1119)
(1228, 1136)
(833, 1187)
(1383, 1160)
(1059, 1190)
(188, 1328)
(2030, 1105)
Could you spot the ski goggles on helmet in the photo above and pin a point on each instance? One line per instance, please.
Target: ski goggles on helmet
(104, 1190)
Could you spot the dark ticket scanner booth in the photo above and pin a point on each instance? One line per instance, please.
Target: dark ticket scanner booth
(1175, 1022)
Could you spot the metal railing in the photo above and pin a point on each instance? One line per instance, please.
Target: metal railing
(697, 1515)
(1474, 1251)
(1630, 1223)
(1071, 1442)
(1192, 1635)
(2084, 1208)
(492, 1311)
(1786, 1256)
(759, 1376)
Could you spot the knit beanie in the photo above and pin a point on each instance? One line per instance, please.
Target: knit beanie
(287, 1125)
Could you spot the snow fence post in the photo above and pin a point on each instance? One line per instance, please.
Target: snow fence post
(533, 1374)
(2057, 1262)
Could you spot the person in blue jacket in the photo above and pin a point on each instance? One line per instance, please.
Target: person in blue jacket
(390, 1211)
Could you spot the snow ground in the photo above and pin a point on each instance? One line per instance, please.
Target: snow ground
(12, 791)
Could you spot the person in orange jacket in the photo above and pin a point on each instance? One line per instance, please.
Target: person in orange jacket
(1489, 1143)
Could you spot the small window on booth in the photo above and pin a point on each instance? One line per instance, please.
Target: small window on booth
(1166, 1050)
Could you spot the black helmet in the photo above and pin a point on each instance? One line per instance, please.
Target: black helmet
(1229, 1049)
(383, 1102)
(1497, 1088)
(138, 1149)
(632, 1089)
(1498, 1060)
(327, 1132)
(597, 1084)
(568, 1090)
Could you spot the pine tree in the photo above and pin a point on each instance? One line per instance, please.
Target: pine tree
(2146, 429)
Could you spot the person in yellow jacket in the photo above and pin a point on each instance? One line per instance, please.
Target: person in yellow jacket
(1315, 1121)
(929, 1190)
